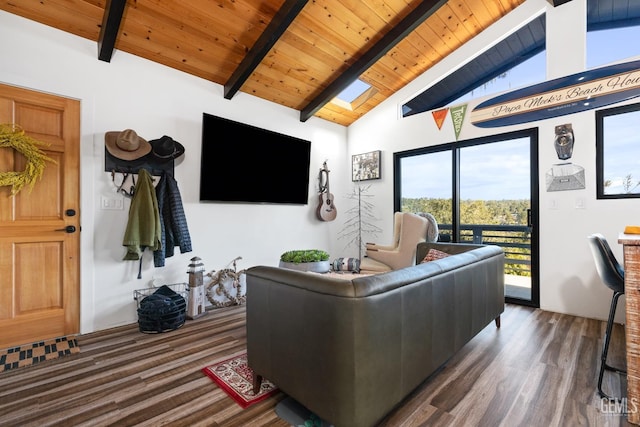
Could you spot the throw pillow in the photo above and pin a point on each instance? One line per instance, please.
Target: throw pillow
(434, 254)
(346, 264)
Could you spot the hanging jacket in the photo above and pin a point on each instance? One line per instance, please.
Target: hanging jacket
(173, 223)
(143, 228)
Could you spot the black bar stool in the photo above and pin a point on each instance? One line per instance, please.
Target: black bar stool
(612, 275)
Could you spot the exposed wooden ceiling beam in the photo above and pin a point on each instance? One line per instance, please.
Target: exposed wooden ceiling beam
(113, 11)
(393, 37)
(278, 25)
(556, 3)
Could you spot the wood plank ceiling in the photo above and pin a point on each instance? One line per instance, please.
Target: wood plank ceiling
(297, 53)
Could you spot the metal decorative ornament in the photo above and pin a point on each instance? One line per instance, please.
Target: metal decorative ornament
(13, 136)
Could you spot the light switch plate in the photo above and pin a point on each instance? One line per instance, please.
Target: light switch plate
(111, 203)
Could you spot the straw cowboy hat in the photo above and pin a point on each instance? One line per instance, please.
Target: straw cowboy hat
(166, 148)
(126, 145)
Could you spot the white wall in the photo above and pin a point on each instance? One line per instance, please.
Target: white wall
(155, 100)
(568, 279)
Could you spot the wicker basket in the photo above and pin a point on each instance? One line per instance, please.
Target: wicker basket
(161, 309)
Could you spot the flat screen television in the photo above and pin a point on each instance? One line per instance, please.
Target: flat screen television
(244, 163)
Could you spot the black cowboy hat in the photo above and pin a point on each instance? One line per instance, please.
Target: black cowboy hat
(166, 148)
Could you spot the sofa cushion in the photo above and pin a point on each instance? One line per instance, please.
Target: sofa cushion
(434, 254)
(347, 275)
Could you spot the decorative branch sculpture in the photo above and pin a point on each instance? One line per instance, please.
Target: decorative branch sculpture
(359, 219)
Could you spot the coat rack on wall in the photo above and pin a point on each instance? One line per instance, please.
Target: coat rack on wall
(126, 153)
(124, 172)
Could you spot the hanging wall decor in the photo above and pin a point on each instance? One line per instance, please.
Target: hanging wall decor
(565, 175)
(13, 136)
(365, 166)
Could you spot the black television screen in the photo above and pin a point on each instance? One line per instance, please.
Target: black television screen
(243, 163)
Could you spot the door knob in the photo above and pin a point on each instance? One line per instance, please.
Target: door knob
(70, 212)
(68, 229)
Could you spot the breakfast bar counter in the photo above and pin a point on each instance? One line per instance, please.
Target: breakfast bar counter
(631, 246)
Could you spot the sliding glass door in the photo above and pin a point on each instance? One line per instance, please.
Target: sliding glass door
(480, 191)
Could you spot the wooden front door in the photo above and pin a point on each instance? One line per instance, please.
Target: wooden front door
(40, 228)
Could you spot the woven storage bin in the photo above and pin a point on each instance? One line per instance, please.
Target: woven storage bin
(162, 311)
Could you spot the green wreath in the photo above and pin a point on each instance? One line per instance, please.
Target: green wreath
(13, 136)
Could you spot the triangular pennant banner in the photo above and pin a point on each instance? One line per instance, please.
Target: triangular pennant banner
(439, 116)
(457, 117)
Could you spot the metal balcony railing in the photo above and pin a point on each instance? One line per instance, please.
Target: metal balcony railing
(515, 240)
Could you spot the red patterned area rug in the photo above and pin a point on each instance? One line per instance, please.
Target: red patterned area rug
(235, 377)
(30, 354)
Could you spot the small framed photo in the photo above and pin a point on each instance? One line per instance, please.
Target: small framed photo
(365, 166)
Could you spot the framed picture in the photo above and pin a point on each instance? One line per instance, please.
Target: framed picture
(365, 166)
(617, 151)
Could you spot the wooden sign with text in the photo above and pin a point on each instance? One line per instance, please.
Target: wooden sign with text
(566, 95)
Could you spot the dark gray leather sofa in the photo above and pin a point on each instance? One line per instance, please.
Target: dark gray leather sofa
(350, 350)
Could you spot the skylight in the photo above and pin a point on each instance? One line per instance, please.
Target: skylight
(353, 91)
(354, 95)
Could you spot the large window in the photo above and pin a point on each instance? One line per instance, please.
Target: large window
(513, 62)
(612, 45)
(529, 72)
(617, 152)
(603, 47)
(520, 59)
(480, 191)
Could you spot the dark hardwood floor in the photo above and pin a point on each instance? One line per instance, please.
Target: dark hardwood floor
(538, 369)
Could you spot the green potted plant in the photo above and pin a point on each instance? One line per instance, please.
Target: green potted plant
(315, 260)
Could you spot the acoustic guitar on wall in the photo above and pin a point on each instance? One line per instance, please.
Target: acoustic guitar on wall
(326, 210)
